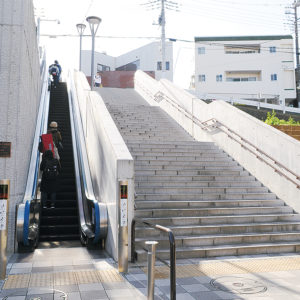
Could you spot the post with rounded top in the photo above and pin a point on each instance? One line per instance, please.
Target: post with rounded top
(80, 29)
(151, 268)
(94, 24)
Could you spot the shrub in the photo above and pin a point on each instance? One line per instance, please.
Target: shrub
(273, 120)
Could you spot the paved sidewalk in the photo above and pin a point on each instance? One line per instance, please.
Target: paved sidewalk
(76, 273)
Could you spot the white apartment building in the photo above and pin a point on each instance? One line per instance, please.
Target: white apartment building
(245, 67)
(146, 58)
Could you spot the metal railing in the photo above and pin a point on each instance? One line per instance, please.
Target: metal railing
(247, 145)
(172, 264)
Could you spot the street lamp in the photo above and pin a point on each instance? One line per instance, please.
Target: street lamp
(80, 29)
(94, 24)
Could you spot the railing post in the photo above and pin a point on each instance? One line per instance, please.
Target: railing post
(172, 267)
(151, 268)
(133, 241)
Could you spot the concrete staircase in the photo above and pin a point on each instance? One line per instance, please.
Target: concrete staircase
(213, 205)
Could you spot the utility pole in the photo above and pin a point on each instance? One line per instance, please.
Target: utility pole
(162, 21)
(165, 4)
(295, 5)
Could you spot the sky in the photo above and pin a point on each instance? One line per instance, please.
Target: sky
(129, 24)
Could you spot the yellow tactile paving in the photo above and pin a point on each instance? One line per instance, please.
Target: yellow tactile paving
(86, 277)
(110, 275)
(64, 278)
(17, 281)
(201, 268)
(230, 267)
(41, 279)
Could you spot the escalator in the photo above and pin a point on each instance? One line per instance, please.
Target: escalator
(78, 214)
(62, 223)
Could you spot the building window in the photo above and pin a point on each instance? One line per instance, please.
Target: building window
(167, 65)
(201, 77)
(201, 50)
(159, 64)
(101, 68)
(219, 78)
(273, 77)
(272, 49)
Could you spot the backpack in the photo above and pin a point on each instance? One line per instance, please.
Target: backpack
(46, 143)
(54, 69)
(51, 170)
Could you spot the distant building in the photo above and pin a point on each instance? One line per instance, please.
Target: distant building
(245, 67)
(146, 58)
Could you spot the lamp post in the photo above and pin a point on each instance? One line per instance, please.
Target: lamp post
(94, 24)
(80, 29)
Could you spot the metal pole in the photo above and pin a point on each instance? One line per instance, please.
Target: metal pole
(4, 203)
(92, 63)
(172, 267)
(80, 52)
(163, 39)
(151, 268)
(296, 3)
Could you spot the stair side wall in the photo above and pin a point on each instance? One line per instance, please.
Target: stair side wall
(19, 96)
(281, 147)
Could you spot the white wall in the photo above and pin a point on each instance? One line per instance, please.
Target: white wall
(148, 55)
(215, 62)
(283, 148)
(110, 160)
(100, 58)
(19, 96)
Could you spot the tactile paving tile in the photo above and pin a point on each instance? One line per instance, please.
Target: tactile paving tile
(110, 275)
(230, 267)
(41, 279)
(65, 278)
(87, 277)
(17, 281)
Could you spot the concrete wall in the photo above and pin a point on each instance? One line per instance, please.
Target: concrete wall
(19, 96)
(148, 56)
(216, 62)
(110, 160)
(278, 145)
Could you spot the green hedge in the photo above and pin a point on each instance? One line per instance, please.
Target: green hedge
(273, 120)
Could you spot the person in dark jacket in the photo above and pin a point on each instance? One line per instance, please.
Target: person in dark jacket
(49, 184)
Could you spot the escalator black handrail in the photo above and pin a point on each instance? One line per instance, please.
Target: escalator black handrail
(23, 209)
(83, 176)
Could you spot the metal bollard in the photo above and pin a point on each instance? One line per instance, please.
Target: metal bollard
(4, 200)
(151, 268)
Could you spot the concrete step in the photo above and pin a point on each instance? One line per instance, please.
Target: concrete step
(195, 155)
(213, 229)
(173, 190)
(226, 250)
(189, 172)
(197, 178)
(182, 158)
(206, 220)
(198, 168)
(178, 184)
(217, 203)
(185, 164)
(222, 239)
(211, 212)
(211, 196)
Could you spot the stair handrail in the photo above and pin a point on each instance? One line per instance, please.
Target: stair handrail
(83, 176)
(172, 246)
(23, 209)
(214, 123)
